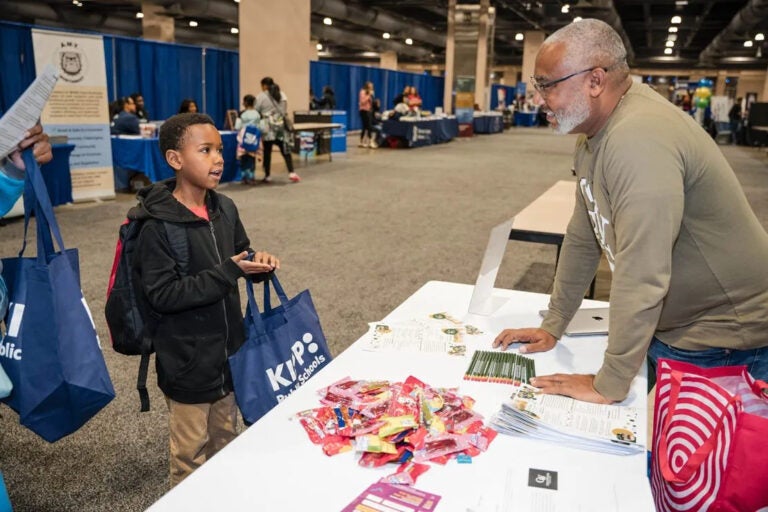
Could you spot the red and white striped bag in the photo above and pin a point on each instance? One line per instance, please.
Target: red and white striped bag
(710, 442)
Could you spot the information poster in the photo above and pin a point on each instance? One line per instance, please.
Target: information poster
(78, 108)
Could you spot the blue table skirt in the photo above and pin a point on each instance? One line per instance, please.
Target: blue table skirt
(525, 118)
(488, 124)
(57, 174)
(424, 132)
(143, 155)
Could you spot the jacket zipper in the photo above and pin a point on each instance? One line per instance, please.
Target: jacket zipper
(224, 306)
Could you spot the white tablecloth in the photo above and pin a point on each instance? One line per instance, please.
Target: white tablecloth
(274, 467)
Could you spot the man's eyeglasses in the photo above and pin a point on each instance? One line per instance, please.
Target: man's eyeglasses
(543, 87)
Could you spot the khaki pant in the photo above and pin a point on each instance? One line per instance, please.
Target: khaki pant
(198, 432)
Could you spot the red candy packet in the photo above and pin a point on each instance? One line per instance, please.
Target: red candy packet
(406, 474)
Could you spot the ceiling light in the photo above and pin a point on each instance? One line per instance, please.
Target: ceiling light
(327, 21)
(234, 30)
(759, 36)
(519, 36)
(670, 44)
(577, 19)
(386, 35)
(672, 37)
(748, 44)
(565, 8)
(319, 46)
(667, 51)
(673, 29)
(676, 20)
(409, 41)
(139, 14)
(681, 2)
(193, 23)
(237, 1)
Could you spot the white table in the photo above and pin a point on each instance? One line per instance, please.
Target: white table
(274, 467)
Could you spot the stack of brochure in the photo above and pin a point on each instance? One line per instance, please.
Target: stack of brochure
(603, 428)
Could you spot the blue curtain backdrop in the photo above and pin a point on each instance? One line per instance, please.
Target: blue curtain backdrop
(347, 80)
(167, 73)
(17, 62)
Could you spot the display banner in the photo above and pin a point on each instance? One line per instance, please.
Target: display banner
(78, 108)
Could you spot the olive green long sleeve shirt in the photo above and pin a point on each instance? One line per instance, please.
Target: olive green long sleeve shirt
(689, 257)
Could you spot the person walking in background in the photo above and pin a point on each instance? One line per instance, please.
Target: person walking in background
(734, 116)
(141, 111)
(365, 107)
(272, 106)
(188, 106)
(248, 117)
(199, 320)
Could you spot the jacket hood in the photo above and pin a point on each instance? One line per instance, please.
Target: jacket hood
(156, 201)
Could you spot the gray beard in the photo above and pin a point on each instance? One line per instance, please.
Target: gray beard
(568, 120)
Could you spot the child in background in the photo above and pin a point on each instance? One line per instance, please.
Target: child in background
(199, 322)
(249, 116)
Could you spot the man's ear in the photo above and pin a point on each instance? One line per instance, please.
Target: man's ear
(173, 158)
(598, 80)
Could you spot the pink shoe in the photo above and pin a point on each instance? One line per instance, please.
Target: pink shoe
(294, 177)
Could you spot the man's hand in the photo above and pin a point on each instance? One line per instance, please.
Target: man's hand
(42, 148)
(538, 340)
(262, 262)
(580, 387)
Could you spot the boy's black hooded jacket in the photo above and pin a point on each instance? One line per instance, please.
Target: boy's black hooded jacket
(200, 323)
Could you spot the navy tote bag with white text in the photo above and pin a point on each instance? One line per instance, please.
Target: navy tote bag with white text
(284, 347)
(50, 349)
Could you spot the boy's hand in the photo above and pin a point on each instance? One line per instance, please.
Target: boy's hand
(262, 262)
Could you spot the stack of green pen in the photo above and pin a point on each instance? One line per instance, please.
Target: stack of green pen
(503, 367)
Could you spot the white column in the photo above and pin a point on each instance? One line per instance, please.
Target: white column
(450, 47)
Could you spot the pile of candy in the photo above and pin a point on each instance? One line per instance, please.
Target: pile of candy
(409, 423)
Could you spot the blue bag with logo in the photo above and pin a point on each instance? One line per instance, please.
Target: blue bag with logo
(250, 138)
(284, 347)
(50, 350)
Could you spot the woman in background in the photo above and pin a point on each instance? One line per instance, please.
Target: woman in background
(271, 105)
(365, 107)
(188, 105)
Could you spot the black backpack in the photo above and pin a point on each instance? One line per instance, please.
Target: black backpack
(130, 319)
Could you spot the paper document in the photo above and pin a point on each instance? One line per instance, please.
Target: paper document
(415, 337)
(25, 113)
(597, 427)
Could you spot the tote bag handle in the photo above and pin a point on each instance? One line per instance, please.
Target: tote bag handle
(278, 290)
(702, 452)
(37, 200)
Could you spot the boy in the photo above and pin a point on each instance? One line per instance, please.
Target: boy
(199, 323)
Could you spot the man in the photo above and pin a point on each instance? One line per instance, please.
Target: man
(141, 111)
(689, 258)
(126, 122)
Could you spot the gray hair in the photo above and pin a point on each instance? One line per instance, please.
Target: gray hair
(591, 42)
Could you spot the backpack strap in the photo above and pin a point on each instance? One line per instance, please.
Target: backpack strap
(177, 239)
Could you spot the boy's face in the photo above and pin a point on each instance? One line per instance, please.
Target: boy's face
(200, 160)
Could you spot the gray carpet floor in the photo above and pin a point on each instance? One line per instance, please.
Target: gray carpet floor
(362, 233)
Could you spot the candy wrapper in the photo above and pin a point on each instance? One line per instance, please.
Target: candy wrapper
(392, 422)
(406, 474)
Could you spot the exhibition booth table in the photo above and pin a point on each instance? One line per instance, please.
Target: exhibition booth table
(422, 132)
(525, 118)
(274, 466)
(321, 134)
(488, 122)
(337, 142)
(137, 154)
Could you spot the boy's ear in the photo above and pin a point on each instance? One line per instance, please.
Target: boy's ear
(173, 158)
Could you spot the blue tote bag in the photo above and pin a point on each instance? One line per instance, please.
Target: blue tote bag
(284, 347)
(51, 350)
